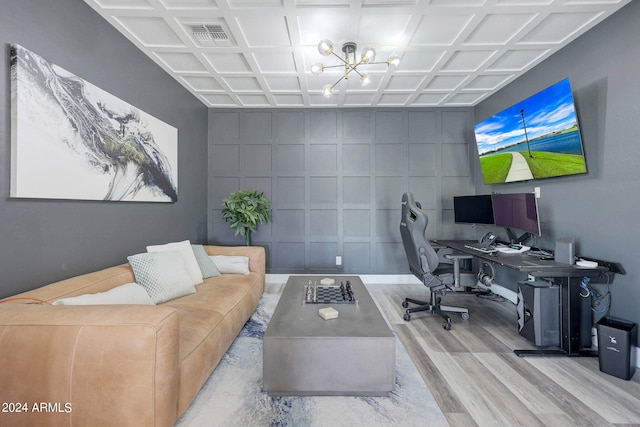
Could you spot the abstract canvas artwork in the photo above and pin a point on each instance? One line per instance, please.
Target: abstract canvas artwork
(72, 140)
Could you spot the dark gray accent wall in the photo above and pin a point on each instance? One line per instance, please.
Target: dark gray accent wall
(335, 179)
(47, 240)
(601, 209)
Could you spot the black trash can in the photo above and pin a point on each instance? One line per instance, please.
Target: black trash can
(617, 347)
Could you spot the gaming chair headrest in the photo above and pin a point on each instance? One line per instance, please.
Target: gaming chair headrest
(408, 199)
(412, 211)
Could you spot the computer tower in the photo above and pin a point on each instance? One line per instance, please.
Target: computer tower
(538, 312)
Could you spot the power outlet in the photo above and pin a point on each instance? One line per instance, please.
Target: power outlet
(338, 260)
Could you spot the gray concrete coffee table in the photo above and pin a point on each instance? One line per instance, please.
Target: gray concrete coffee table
(305, 355)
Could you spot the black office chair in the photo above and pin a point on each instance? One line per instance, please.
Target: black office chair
(425, 264)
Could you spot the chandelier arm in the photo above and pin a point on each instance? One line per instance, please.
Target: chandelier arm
(333, 66)
(359, 63)
(339, 57)
(354, 69)
(351, 68)
(339, 80)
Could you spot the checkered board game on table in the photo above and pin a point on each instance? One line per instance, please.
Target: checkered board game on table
(333, 295)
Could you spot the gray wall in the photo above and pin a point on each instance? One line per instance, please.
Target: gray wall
(46, 240)
(335, 180)
(601, 209)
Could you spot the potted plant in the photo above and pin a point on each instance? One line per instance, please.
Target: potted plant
(244, 210)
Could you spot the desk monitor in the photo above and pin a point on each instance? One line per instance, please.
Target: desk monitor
(520, 211)
(473, 209)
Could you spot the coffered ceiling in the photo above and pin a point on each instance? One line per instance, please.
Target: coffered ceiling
(258, 53)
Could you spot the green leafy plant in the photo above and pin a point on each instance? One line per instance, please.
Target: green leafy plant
(244, 210)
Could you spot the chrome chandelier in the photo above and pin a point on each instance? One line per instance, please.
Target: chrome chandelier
(350, 62)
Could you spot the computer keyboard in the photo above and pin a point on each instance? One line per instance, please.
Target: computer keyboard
(480, 248)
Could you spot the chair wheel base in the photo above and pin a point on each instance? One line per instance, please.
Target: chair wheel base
(434, 307)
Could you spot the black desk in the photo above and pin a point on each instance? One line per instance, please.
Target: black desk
(568, 277)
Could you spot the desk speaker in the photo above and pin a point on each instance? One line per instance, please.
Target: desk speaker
(538, 311)
(565, 250)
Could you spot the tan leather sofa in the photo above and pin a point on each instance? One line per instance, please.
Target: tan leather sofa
(118, 365)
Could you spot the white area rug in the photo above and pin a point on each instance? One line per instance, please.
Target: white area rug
(233, 395)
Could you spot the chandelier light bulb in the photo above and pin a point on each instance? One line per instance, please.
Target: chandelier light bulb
(365, 80)
(325, 47)
(368, 55)
(393, 60)
(327, 91)
(317, 69)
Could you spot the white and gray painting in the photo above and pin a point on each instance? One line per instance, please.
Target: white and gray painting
(72, 140)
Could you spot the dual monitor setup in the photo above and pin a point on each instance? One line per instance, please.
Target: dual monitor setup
(517, 211)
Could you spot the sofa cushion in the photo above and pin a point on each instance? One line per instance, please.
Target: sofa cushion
(210, 321)
(221, 294)
(227, 264)
(130, 293)
(207, 266)
(162, 274)
(189, 257)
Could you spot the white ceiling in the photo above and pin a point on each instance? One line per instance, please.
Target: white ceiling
(453, 52)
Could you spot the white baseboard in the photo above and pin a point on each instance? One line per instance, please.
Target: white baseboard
(367, 279)
(390, 279)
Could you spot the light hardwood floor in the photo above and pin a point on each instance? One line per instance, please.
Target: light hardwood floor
(476, 378)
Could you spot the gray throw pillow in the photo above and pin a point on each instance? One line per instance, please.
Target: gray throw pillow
(162, 274)
(207, 266)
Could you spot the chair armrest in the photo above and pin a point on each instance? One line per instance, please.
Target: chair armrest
(456, 257)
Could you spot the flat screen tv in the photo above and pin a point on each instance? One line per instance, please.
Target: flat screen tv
(533, 139)
(473, 209)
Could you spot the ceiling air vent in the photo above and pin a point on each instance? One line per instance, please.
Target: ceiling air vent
(210, 34)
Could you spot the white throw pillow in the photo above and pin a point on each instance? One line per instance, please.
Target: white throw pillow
(189, 257)
(228, 264)
(130, 293)
(163, 275)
